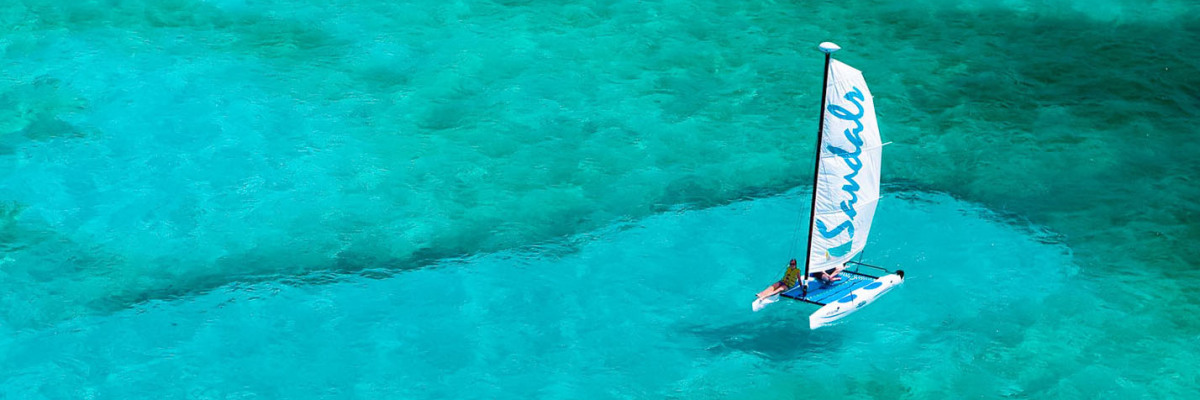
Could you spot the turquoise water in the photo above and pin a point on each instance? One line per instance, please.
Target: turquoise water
(511, 199)
(607, 314)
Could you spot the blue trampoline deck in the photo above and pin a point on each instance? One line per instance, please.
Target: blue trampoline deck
(821, 293)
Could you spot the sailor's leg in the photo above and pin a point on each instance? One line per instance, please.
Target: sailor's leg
(772, 290)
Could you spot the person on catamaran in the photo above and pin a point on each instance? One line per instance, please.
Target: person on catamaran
(790, 278)
(829, 275)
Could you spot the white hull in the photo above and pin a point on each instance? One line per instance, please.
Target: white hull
(763, 302)
(850, 303)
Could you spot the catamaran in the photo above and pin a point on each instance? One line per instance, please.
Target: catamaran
(845, 191)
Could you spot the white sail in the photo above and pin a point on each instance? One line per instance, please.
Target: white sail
(848, 176)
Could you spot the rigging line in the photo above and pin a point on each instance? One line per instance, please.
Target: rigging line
(861, 253)
(796, 234)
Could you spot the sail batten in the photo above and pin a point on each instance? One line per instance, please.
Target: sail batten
(864, 148)
(847, 184)
(860, 207)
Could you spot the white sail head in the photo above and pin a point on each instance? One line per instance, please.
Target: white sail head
(848, 174)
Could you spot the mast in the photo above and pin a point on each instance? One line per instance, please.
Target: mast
(828, 48)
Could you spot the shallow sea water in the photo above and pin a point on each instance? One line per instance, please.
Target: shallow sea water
(607, 314)
(285, 199)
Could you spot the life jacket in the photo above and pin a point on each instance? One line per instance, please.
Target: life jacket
(791, 277)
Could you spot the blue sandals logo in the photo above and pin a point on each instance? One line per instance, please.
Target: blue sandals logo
(851, 187)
